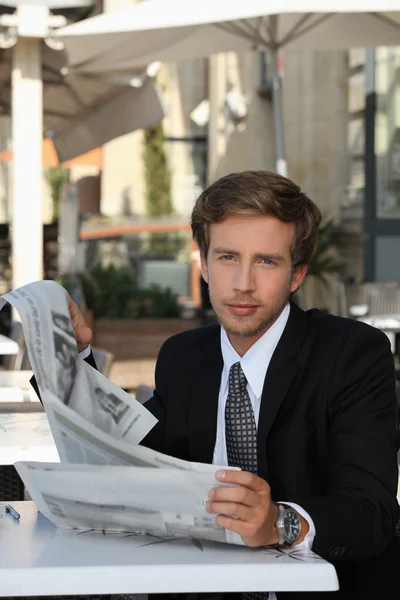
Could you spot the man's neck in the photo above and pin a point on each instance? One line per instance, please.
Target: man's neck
(242, 344)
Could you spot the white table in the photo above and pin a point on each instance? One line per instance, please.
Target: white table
(16, 378)
(26, 436)
(8, 346)
(38, 559)
(15, 387)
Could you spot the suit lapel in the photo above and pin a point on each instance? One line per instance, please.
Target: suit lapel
(280, 374)
(202, 417)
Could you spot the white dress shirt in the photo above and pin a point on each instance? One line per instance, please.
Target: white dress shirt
(86, 352)
(254, 364)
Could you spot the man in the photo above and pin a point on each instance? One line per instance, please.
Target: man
(303, 402)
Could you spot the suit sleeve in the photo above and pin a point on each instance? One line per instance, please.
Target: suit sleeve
(357, 517)
(157, 404)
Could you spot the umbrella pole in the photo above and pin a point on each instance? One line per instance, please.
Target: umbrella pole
(27, 134)
(277, 107)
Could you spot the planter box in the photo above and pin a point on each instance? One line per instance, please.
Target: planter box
(131, 339)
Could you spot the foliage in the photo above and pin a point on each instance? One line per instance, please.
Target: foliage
(114, 294)
(169, 244)
(56, 177)
(324, 260)
(158, 176)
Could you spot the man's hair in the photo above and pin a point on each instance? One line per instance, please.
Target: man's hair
(258, 193)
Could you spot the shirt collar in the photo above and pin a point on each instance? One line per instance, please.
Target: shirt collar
(256, 360)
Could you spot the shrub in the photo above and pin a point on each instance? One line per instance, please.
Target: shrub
(114, 294)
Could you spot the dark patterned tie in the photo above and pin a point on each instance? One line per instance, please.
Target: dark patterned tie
(241, 435)
(240, 425)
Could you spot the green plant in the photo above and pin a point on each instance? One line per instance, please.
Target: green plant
(114, 294)
(157, 302)
(157, 173)
(56, 177)
(108, 291)
(324, 260)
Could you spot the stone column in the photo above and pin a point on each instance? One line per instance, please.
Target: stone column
(27, 134)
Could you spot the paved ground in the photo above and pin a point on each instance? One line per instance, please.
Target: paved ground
(128, 374)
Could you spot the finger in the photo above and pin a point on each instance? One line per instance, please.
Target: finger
(244, 478)
(237, 493)
(77, 317)
(73, 308)
(246, 530)
(83, 335)
(231, 509)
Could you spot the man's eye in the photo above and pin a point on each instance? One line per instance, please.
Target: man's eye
(227, 257)
(267, 261)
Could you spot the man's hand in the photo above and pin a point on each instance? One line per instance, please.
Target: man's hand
(247, 508)
(83, 333)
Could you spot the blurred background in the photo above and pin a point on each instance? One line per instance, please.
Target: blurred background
(98, 175)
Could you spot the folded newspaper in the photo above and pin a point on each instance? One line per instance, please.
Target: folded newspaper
(105, 479)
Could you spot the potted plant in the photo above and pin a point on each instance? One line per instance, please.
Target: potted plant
(129, 321)
(323, 269)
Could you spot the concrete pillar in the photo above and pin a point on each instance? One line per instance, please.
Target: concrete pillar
(249, 145)
(27, 133)
(216, 125)
(316, 121)
(26, 28)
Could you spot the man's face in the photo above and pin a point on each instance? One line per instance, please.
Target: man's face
(250, 275)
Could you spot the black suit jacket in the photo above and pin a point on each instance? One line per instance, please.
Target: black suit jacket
(327, 436)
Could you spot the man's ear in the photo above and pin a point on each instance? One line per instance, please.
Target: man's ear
(298, 276)
(204, 268)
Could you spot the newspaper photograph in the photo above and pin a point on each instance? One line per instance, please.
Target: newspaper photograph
(172, 503)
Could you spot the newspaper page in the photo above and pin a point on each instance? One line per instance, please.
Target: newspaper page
(79, 441)
(59, 370)
(83, 497)
(106, 480)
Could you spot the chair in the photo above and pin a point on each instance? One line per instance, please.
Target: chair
(379, 298)
(103, 360)
(11, 485)
(143, 393)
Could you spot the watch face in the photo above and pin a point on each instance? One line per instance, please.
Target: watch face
(292, 526)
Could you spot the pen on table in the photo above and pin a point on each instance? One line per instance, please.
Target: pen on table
(9, 509)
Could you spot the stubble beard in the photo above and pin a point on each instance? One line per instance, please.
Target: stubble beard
(252, 325)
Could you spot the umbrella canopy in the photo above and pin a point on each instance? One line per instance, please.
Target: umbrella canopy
(172, 30)
(82, 112)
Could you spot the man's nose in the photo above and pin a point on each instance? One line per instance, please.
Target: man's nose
(244, 280)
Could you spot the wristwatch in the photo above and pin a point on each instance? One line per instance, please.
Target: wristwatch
(288, 525)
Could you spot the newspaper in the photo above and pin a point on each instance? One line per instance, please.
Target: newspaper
(61, 374)
(166, 502)
(105, 480)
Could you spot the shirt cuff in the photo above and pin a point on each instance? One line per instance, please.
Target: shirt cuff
(86, 352)
(309, 539)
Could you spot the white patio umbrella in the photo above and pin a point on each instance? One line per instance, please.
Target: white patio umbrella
(82, 112)
(85, 111)
(173, 30)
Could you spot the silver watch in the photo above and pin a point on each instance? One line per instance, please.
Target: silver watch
(288, 525)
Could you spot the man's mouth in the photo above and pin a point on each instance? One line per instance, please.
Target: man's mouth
(242, 309)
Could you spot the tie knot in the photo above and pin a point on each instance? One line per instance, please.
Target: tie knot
(237, 380)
